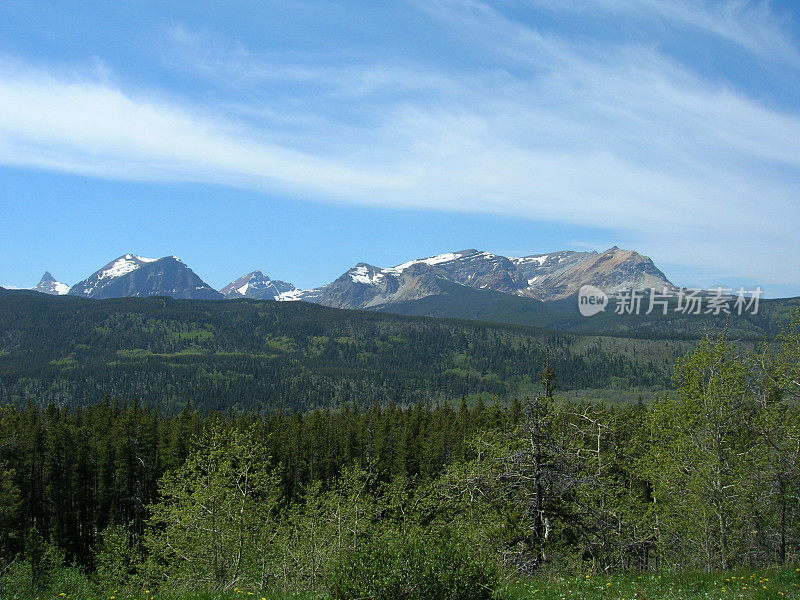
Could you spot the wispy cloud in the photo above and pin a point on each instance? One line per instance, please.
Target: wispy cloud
(755, 26)
(614, 135)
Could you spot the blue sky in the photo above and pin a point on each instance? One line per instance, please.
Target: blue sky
(302, 137)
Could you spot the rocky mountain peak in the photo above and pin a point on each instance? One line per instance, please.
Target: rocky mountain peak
(257, 286)
(48, 285)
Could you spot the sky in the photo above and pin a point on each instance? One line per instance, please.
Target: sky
(300, 138)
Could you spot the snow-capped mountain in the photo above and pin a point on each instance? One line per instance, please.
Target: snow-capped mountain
(258, 286)
(136, 276)
(367, 286)
(48, 285)
(544, 277)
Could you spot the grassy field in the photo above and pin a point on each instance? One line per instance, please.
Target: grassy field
(776, 583)
(758, 585)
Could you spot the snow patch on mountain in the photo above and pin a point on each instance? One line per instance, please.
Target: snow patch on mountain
(525, 260)
(431, 260)
(364, 274)
(292, 296)
(124, 265)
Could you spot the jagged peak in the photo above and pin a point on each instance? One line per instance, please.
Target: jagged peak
(49, 285)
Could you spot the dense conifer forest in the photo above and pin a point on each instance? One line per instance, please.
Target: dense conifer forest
(257, 356)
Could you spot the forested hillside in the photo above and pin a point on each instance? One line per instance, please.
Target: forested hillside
(562, 315)
(251, 355)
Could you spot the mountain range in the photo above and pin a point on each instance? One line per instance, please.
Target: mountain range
(541, 277)
(537, 290)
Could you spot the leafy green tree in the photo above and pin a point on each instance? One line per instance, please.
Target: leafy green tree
(783, 368)
(115, 558)
(779, 428)
(702, 459)
(324, 524)
(215, 524)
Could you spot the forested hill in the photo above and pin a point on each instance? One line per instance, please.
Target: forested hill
(261, 355)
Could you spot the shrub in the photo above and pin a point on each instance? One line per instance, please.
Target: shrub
(18, 582)
(413, 564)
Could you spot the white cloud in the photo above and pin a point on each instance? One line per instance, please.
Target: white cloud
(90, 127)
(611, 136)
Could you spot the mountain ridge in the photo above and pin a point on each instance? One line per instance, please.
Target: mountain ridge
(546, 277)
